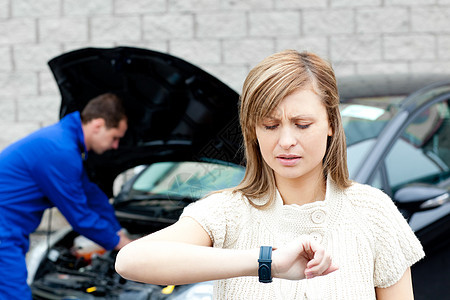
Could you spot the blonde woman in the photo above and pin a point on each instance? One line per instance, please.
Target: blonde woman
(295, 217)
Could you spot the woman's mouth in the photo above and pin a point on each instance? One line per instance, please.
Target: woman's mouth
(288, 159)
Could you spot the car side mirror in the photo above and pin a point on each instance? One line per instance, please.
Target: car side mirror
(415, 198)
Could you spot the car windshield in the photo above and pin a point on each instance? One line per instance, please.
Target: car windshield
(363, 120)
(190, 180)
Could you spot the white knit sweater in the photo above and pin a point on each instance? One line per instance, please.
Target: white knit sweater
(366, 235)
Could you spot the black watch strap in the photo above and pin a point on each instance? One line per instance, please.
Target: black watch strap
(265, 264)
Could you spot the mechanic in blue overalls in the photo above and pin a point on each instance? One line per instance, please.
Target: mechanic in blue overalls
(45, 169)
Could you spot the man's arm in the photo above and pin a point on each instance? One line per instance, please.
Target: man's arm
(59, 176)
(99, 202)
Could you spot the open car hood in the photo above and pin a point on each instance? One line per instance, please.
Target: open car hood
(176, 111)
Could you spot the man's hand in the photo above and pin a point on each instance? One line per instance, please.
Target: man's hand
(303, 258)
(124, 239)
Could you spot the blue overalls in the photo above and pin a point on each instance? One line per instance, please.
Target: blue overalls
(43, 170)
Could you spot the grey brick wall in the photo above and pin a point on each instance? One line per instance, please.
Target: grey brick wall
(224, 37)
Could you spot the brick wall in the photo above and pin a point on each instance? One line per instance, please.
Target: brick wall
(224, 37)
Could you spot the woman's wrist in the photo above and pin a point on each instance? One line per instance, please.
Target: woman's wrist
(265, 264)
(275, 260)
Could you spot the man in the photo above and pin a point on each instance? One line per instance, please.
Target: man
(45, 169)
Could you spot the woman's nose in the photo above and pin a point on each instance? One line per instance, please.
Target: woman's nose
(287, 138)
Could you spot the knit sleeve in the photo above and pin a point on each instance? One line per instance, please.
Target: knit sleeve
(219, 215)
(395, 245)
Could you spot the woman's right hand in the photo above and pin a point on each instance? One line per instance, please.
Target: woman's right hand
(300, 259)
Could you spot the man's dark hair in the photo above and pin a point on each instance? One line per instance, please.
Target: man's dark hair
(107, 106)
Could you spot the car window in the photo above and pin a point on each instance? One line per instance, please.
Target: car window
(422, 153)
(363, 119)
(356, 154)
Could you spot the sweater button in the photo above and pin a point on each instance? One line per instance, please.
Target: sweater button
(318, 216)
(316, 237)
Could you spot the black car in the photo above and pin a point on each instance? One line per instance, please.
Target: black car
(184, 142)
(398, 139)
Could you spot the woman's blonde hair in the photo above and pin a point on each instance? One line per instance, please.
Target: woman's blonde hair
(267, 84)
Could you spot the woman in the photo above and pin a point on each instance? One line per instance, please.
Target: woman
(295, 197)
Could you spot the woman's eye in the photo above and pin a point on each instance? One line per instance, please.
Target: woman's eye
(303, 126)
(270, 127)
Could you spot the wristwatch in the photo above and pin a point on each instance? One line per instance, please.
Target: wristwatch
(265, 263)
